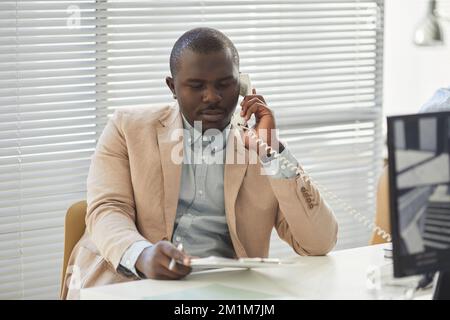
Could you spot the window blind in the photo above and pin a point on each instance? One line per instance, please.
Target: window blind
(66, 65)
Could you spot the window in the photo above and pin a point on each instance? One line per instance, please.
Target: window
(66, 65)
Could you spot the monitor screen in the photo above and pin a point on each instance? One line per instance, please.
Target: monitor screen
(419, 180)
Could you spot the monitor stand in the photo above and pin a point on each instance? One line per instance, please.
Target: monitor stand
(442, 289)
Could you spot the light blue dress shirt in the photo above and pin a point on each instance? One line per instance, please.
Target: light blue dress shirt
(439, 102)
(200, 222)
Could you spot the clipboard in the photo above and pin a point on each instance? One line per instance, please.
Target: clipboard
(214, 262)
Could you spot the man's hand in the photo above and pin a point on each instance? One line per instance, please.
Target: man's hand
(265, 121)
(154, 262)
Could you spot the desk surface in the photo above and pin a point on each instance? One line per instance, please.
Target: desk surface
(339, 275)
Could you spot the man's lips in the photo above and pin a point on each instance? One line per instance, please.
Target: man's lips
(212, 111)
(212, 114)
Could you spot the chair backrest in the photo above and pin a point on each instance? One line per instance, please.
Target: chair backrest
(382, 215)
(74, 226)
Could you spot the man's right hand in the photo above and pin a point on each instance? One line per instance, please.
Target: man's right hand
(154, 262)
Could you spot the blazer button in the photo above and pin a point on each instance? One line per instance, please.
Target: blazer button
(307, 197)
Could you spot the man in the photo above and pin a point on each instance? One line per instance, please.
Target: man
(142, 203)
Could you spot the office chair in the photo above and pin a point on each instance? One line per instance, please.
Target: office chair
(74, 227)
(382, 209)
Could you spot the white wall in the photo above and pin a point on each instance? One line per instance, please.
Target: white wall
(411, 73)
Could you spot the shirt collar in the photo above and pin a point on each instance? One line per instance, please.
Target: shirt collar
(196, 136)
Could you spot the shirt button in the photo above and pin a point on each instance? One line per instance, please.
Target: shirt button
(178, 238)
(200, 192)
(283, 167)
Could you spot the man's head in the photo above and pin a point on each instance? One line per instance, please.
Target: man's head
(204, 65)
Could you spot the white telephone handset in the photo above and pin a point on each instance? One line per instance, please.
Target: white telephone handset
(239, 123)
(245, 85)
(245, 89)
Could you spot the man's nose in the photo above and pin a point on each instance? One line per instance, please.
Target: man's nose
(212, 95)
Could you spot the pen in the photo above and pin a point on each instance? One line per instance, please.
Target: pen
(172, 262)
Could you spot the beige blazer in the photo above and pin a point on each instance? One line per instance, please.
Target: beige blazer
(132, 195)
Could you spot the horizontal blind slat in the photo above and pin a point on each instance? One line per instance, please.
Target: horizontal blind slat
(318, 64)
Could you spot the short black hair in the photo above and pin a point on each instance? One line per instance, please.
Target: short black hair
(201, 40)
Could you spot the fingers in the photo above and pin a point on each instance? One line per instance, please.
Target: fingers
(252, 109)
(252, 99)
(165, 274)
(245, 104)
(181, 267)
(174, 253)
(251, 96)
(254, 105)
(179, 270)
(154, 262)
(162, 272)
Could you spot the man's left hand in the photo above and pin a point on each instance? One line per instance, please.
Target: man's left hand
(265, 121)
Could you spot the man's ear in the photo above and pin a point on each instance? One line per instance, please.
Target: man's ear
(170, 83)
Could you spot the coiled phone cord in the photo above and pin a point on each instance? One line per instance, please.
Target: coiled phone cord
(300, 171)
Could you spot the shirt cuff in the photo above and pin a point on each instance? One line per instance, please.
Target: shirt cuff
(129, 258)
(274, 168)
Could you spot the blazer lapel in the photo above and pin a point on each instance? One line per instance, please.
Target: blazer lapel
(170, 139)
(235, 168)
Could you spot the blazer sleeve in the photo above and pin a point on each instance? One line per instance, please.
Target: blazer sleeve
(111, 212)
(304, 219)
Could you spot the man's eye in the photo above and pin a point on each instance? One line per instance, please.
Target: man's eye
(196, 86)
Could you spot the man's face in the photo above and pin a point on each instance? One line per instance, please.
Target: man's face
(206, 87)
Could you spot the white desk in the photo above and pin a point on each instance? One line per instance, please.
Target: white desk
(340, 275)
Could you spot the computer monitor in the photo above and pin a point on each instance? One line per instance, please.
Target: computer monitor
(419, 190)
